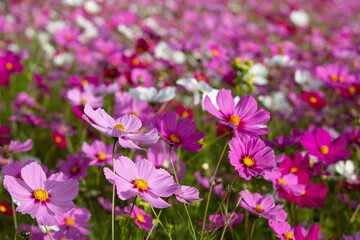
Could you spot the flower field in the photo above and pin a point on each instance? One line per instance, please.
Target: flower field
(180, 119)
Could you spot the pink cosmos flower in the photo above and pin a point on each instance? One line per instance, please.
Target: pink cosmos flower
(76, 218)
(287, 182)
(59, 140)
(335, 75)
(250, 156)
(321, 146)
(314, 100)
(263, 206)
(14, 169)
(98, 153)
(142, 219)
(17, 146)
(106, 204)
(121, 127)
(312, 235)
(45, 198)
(355, 237)
(243, 118)
(141, 179)
(187, 193)
(178, 134)
(141, 77)
(75, 166)
(80, 98)
(297, 164)
(70, 234)
(219, 221)
(218, 189)
(282, 229)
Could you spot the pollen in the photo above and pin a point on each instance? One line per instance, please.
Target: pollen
(69, 221)
(248, 161)
(84, 101)
(174, 139)
(324, 149)
(140, 218)
(281, 181)
(235, 119)
(41, 195)
(313, 100)
(141, 184)
(288, 236)
(9, 66)
(120, 127)
(101, 156)
(293, 170)
(75, 169)
(258, 208)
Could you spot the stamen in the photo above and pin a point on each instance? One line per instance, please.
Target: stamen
(248, 161)
(41, 195)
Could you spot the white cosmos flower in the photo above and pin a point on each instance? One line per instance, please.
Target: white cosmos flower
(280, 60)
(307, 82)
(277, 101)
(346, 169)
(92, 7)
(73, 3)
(152, 95)
(299, 18)
(257, 74)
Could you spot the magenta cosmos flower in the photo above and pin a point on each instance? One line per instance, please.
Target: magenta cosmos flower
(121, 128)
(44, 198)
(231, 219)
(243, 118)
(321, 146)
(312, 235)
(263, 206)
(142, 219)
(250, 156)
(98, 153)
(178, 134)
(17, 146)
(141, 179)
(282, 229)
(76, 218)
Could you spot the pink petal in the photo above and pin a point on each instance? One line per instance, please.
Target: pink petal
(62, 191)
(34, 176)
(225, 102)
(209, 106)
(18, 189)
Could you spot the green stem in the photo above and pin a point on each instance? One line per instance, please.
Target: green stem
(128, 218)
(47, 230)
(153, 226)
(211, 187)
(252, 229)
(14, 216)
(113, 195)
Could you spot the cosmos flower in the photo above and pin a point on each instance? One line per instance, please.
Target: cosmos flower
(218, 220)
(250, 156)
(243, 118)
(98, 153)
(75, 166)
(76, 218)
(312, 235)
(120, 128)
(282, 229)
(59, 140)
(5, 208)
(142, 219)
(314, 100)
(17, 146)
(263, 206)
(178, 134)
(321, 146)
(45, 198)
(141, 179)
(152, 95)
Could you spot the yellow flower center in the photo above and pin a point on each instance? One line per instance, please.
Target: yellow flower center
(68, 37)
(58, 139)
(140, 218)
(84, 82)
(69, 221)
(324, 149)
(135, 61)
(341, 79)
(9, 66)
(6, 147)
(293, 170)
(84, 101)
(101, 156)
(258, 208)
(288, 236)
(235, 119)
(215, 52)
(63, 238)
(134, 113)
(352, 89)
(185, 114)
(334, 78)
(41, 195)
(174, 139)
(281, 181)
(75, 169)
(2, 209)
(120, 127)
(313, 99)
(248, 161)
(141, 184)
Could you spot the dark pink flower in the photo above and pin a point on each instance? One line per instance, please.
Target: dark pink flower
(231, 219)
(17, 146)
(283, 230)
(142, 219)
(312, 235)
(75, 166)
(76, 218)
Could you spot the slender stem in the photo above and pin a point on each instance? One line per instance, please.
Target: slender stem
(153, 226)
(211, 187)
(47, 230)
(128, 218)
(252, 229)
(177, 181)
(113, 195)
(14, 216)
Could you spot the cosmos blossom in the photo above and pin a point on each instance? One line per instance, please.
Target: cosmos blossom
(121, 128)
(45, 198)
(17, 146)
(141, 179)
(178, 134)
(242, 118)
(218, 220)
(282, 229)
(76, 218)
(321, 146)
(312, 235)
(250, 156)
(142, 219)
(263, 206)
